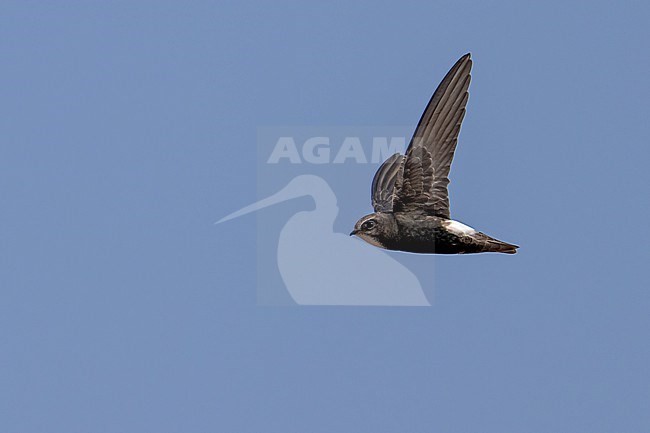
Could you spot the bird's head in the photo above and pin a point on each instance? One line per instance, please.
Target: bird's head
(376, 229)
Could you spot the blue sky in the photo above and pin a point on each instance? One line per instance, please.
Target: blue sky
(128, 128)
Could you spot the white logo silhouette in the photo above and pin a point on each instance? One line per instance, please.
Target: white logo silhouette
(321, 267)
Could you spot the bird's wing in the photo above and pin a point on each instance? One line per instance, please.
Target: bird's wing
(431, 150)
(384, 183)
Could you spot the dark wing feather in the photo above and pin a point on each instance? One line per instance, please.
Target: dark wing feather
(417, 180)
(432, 147)
(384, 183)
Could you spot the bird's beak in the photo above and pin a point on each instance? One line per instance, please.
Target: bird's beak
(354, 232)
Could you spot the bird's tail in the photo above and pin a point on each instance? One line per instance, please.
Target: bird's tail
(492, 245)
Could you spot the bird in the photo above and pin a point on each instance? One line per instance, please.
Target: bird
(322, 267)
(409, 192)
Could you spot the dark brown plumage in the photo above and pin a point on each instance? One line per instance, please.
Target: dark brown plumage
(409, 192)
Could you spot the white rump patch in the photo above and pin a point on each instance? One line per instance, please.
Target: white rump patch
(458, 228)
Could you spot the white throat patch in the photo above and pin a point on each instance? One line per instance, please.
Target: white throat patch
(370, 240)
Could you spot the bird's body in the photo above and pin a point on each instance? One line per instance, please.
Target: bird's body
(427, 234)
(409, 192)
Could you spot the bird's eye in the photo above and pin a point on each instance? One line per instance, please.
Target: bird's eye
(368, 225)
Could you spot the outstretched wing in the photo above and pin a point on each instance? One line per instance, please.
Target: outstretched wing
(429, 155)
(386, 183)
